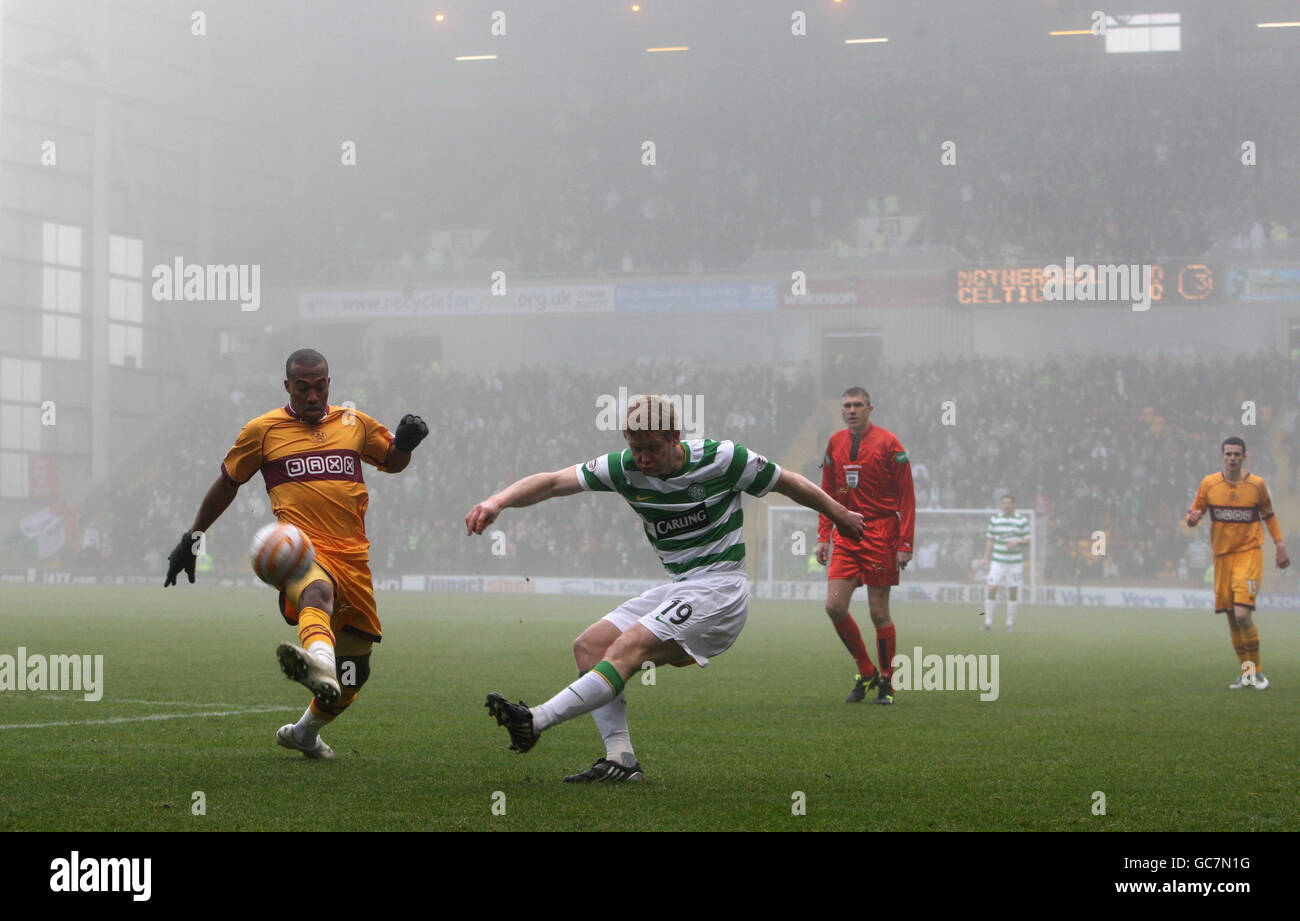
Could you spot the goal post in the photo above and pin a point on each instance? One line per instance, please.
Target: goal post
(947, 547)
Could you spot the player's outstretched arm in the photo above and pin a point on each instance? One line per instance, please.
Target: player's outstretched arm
(824, 523)
(182, 559)
(802, 490)
(529, 491)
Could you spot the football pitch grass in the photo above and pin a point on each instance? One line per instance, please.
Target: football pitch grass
(1133, 704)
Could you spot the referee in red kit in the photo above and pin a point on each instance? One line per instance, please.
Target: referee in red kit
(866, 470)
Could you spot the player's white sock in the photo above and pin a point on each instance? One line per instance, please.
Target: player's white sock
(323, 653)
(588, 693)
(989, 605)
(611, 720)
(308, 727)
(1011, 612)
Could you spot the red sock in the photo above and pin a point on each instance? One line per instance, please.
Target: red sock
(852, 638)
(885, 647)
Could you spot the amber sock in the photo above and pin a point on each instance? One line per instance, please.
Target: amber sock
(315, 635)
(1250, 642)
(1238, 645)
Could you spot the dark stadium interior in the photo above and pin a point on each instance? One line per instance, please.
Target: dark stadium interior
(1126, 434)
(774, 151)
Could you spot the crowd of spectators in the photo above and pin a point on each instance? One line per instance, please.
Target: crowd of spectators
(485, 432)
(1123, 166)
(1106, 444)
(488, 432)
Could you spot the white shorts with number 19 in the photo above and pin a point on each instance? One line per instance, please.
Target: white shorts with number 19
(705, 615)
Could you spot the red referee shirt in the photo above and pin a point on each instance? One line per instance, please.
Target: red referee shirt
(869, 474)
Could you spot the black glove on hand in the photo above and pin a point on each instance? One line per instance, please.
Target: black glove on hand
(410, 432)
(181, 558)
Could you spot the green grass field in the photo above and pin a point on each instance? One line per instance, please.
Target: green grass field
(1133, 704)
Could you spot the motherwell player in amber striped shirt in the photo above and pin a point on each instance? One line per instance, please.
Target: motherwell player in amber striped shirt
(1238, 502)
(867, 471)
(310, 455)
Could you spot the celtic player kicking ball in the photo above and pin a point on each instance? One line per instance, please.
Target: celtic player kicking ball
(688, 497)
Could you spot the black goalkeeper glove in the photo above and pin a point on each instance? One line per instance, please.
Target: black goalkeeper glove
(181, 558)
(410, 432)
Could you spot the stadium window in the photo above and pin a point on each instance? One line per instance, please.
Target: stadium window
(125, 301)
(1141, 32)
(13, 475)
(61, 290)
(20, 411)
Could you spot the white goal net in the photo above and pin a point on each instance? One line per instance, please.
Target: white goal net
(948, 550)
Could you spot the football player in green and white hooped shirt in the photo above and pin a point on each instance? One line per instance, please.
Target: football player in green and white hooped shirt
(688, 497)
(1005, 541)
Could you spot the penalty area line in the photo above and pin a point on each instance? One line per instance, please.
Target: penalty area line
(145, 719)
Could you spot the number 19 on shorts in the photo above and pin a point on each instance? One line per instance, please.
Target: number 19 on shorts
(683, 612)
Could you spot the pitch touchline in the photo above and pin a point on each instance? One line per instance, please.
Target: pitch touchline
(143, 719)
(158, 703)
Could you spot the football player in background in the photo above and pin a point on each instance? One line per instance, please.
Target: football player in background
(867, 470)
(688, 494)
(1004, 558)
(310, 454)
(1238, 501)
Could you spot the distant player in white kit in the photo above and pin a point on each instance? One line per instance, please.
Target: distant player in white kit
(688, 495)
(1005, 542)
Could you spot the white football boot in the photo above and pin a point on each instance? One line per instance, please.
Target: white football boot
(284, 735)
(297, 664)
(1261, 683)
